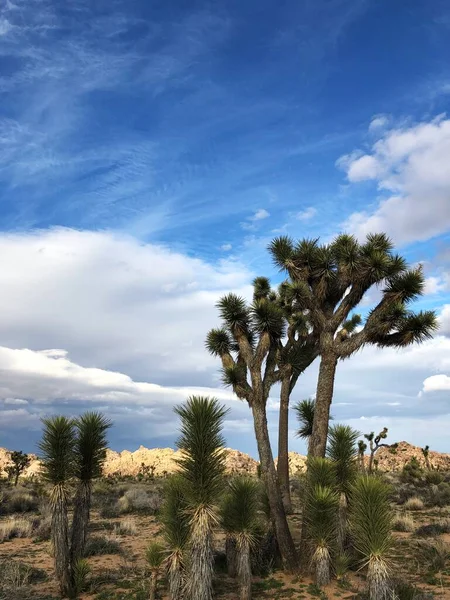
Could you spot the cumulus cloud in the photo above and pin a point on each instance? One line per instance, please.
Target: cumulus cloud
(260, 214)
(378, 122)
(410, 167)
(436, 383)
(444, 320)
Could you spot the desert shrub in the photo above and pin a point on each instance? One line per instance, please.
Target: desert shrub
(42, 530)
(98, 545)
(110, 511)
(403, 522)
(81, 572)
(15, 528)
(435, 554)
(414, 503)
(137, 499)
(433, 529)
(406, 591)
(412, 471)
(126, 526)
(434, 477)
(440, 494)
(19, 500)
(17, 575)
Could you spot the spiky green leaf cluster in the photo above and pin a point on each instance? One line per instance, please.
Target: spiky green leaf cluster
(91, 444)
(155, 554)
(305, 415)
(218, 342)
(321, 472)
(342, 451)
(203, 461)
(321, 505)
(241, 506)
(57, 448)
(371, 517)
(174, 516)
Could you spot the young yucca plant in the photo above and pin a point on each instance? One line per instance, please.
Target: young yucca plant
(321, 517)
(371, 521)
(58, 467)
(202, 468)
(155, 555)
(90, 453)
(342, 452)
(305, 417)
(80, 573)
(175, 521)
(240, 520)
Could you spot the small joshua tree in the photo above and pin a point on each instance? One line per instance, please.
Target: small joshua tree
(375, 444)
(155, 558)
(426, 455)
(362, 447)
(20, 462)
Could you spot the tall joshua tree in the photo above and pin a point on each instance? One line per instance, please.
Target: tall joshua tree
(249, 347)
(329, 281)
(58, 462)
(296, 351)
(90, 453)
(202, 468)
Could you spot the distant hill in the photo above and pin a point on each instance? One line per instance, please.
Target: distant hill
(163, 460)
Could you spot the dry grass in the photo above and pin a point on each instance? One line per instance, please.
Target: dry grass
(403, 522)
(15, 528)
(126, 526)
(414, 503)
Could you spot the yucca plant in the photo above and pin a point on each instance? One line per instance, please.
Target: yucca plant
(305, 415)
(202, 468)
(321, 508)
(58, 467)
(90, 453)
(371, 519)
(80, 573)
(241, 521)
(175, 521)
(342, 452)
(155, 555)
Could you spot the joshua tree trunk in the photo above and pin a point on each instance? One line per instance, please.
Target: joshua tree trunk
(80, 522)
(153, 585)
(342, 522)
(201, 558)
(60, 539)
(175, 573)
(378, 580)
(244, 570)
(231, 554)
(324, 396)
(283, 445)
(322, 566)
(269, 475)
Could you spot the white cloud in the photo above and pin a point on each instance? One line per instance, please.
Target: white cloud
(444, 320)
(226, 247)
(436, 383)
(260, 214)
(378, 122)
(307, 214)
(410, 167)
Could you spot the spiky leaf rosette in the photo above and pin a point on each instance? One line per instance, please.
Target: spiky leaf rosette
(155, 554)
(203, 462)
(57, 450)
(261, 288)
(321, 471)
(234, 312)
(218, 342)
(342, 451)
(267, 317)
(282, 251)
(91, 444)
(240, 508)
(305, 416)
(371, 519)
(174, 517)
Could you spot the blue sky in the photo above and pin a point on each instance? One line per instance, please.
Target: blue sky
(150, 150)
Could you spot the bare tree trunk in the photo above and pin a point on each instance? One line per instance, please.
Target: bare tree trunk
(283, 445)
(269, 475)
(231, 554)
(244, 571)
(60, 539)
(176, 577)
(201, 565)
(80, 522)
(153, 585)
(324, 397)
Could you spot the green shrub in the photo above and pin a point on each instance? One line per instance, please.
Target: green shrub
(433, 529)
(434, 477)
(98, 545)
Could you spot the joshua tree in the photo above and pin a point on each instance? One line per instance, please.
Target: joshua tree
(58, 462)
(175, 521)
(342, 452)
(155, 558)
(371, 527)
(20, 462)
(329, 281)
(320, 511)
(249, 345)
(202, 468)
(426, 455)
(375, 444)
(240, 520)
(362, 447)
(90, 450)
